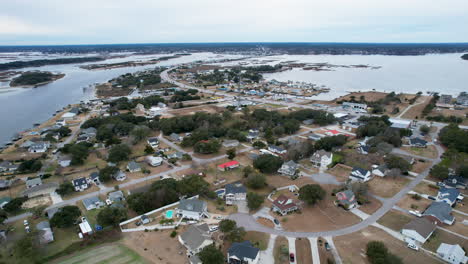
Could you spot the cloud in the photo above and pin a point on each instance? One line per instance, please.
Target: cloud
(14, 26)
(140, 21)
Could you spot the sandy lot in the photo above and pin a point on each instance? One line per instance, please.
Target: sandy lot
(409, 203)
(416, 110)
(371, 207)
(341, 172)
(156, 246)
(303, 251)
(419, 166)
(37, 201)
(424, 187)
(428, 152)
(395, 220)
(387, 187)
(281, 242)
(320, 217)
(352, 247)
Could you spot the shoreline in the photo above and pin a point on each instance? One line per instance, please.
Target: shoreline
(55, 77)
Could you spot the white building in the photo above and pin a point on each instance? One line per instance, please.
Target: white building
(154, 161)
(359, 174)
(418, 230)
(235, 192)
(453, 254)
(194, 209)
(321, 159)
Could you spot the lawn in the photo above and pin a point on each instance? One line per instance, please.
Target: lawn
(394, 220)
(428, 152)
(258, 239)
(440, 236)
(426, 188)
(106, 254)
(387, 187)
(409, 203)
(303, 250)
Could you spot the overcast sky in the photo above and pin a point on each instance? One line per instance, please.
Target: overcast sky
(31, 22)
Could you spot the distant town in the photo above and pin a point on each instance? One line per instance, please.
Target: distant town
(211, 162)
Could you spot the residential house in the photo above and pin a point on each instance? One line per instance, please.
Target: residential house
(93, 203)
(192, 209)
(61, 122)
(277, 149)
(284, 205)
(418, 142)
(455, 182)
(380, 170)
(243, 253)
(116, 197)
(7, 166)
(94, 177)
(418, 230)
(462, 99)
(85, 228)
(153, 142)
(176, 155)
(235, 192)
(64, 161)
(448, 195)
(346, 199)
(355, 106)
(4, 184)
(364, 149)
(39, 190)
(289, 168)
(80, 184)
(176, 137)
(399, 123)
(360, 174)
(133, 166)
(154, 161)
(90, 132)
(33, 182)
(314, 137)
(308, 122)
(228, 165)
(39, 147)
(195, 238)
(230, 143)
(439, 212)
(453, 254)
(119, 176)
(45, 232)
(321, 159)
(253, 135)
(3, 201)
(445, 101)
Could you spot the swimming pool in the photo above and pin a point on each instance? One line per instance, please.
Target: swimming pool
(169, 214)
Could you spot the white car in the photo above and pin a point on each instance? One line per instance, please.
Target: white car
(83, 219)
(214, 228)
(413, 246)
(25, 222)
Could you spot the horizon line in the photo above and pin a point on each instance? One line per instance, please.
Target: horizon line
(270, 42)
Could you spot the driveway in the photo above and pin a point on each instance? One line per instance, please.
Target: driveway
(242, 206)
(323, 178)
(56, 198)
(314, 250)
(267, 256)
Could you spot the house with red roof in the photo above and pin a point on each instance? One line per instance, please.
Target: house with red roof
(228, 165)
(284, 205)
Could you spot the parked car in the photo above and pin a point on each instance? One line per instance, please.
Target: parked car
(431, 198)
(25, 222)
(327, 246)
(413, 246)
(27, 229)
(291, 257)
(214, 228)
(83, 219)
(276, 221)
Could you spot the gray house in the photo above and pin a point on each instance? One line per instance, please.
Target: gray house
(196, 238)
(93, 203)
(45, 232)
(192, 209)
(439, 212)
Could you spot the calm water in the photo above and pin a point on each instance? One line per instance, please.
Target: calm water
(21, 108)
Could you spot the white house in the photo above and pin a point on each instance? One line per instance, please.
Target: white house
(321, 159)
(230, 143)
(235, 192)
(153, 142)
(39, 147)
(277, 149)
(119, 176)
(418, 230)
(194, 209)
(154, 161)
(80, 184)
(133, 166)
(243, 252)
(359, 174)
(289, 168)
(380, 170)
(453, 254)
(93, 203)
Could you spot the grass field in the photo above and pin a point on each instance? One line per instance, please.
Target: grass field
(115, 254)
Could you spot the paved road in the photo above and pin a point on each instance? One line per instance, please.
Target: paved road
(267, 256)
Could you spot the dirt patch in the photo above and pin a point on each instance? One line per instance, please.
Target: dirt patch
(409, 203)
(352, 247)
(156, 246)
(266, 222)
(428, 152)
(320, 217)
(37, 201)
(458, 227)
(303, 251)
(341, 172)
(395, 220)
(281, 251)
(426, 188)
(323, 253)
(371, 207)
(387, 187)
(415, 111)
(420, 166)
(368, 96)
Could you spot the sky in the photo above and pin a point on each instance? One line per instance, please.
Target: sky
(48, 22)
